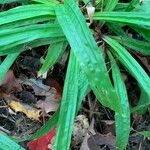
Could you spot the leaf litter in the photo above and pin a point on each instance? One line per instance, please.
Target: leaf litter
(45, 99)
(27, 103)
(33, 94)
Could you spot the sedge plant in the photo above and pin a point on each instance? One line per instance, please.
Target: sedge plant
(61, 23)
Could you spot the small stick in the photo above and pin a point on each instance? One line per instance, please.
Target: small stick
(4, 130)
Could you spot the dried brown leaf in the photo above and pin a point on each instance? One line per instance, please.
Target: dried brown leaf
(10, 82)
(108, 126)
(51, 103)
(84, 145)
(47, 106)
(98, 140)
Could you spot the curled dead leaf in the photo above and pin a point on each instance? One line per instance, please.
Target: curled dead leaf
(90, 11)
(10, 82)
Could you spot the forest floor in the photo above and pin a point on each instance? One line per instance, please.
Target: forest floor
(26, 103)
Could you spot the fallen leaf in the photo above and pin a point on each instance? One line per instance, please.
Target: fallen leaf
(137, 117)
(98, 141)
(26, 97)
(80, 129)
(31, 64)
(51, 102)
(37, 85)
(84, 145)
(47, 105)
(43, 143)
(56, 85)
(9, 78)
(10, 82)
(28, 110)
(135, 138)
(108, 126)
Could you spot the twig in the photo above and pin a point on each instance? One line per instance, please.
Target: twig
(3, 116)
(3, 106)
(5, 130)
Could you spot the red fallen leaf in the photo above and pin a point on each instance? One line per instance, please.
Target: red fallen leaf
(42, 142)
(10, 82)
(54, 83)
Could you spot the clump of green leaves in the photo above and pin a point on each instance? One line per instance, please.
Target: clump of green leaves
(63, 24)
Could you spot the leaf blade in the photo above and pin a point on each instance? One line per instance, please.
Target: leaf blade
(27, 14)
(145, 133)
(139, 46)
(131, 18)
(110, 5)
(7, 143)
(6, 64)
(87, 53)
(55, 51)
(13, 37)
(68, 106)
(122, 120)
(131, 64)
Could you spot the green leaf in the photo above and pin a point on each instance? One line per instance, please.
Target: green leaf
(47, 2)
(120, 7)
(86, 1)
(110, 5)
(132, 5)
(84, 88)
(13, 37)
(7, 144)
(27, 14)
(16, 49)
(131, 18)
(145, 133)
(88, 54)
(9, 1)
(6, 64)
(68, 106)
(139, 46)
(32, 44)
(55, 50)
(122, 120)
(45, 41)
(131, 64)
(143, 7)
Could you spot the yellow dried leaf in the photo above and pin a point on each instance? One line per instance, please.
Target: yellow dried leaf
(29, 111)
